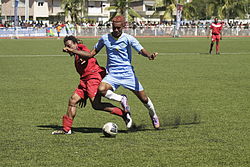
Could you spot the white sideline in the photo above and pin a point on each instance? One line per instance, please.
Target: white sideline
(195, 53)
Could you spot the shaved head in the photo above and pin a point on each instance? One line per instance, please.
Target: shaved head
(118, 19)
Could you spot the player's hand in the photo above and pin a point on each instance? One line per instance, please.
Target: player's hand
(153, 56)
(67, 49)
(82, 103)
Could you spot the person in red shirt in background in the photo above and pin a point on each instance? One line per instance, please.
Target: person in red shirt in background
(216, 28)
(91, 75)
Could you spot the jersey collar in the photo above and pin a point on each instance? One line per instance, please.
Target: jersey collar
(115, 37)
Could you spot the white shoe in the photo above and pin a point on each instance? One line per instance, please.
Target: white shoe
(61, 132)
(155, 121)
(124, 103)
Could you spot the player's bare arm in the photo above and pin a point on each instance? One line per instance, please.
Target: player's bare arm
(150, 56)
(80, 53)
(94, 52)
(209, 32)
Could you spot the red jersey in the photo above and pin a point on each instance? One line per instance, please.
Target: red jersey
(87, 68)
(216, 28)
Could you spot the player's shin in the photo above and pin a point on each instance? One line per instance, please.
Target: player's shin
(152, 114)
(117, 111)
(217, 48)
(67, 123)
(150, 108)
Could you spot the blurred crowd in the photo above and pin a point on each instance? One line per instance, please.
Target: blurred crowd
(134, 25)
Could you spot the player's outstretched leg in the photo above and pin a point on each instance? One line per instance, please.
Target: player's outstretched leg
(108, 107)
(119, 98)
(149, 105)
(67, 124)
(152, 114)
(126, 116)
(67, 119)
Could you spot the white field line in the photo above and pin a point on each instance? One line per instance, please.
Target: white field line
(195, 53)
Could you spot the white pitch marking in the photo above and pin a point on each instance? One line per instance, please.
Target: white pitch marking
(195, 53)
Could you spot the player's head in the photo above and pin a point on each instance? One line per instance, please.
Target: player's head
(118, 23)
(216, 20)
(70, 41)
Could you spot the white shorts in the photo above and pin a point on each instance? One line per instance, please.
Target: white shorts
(125, 78)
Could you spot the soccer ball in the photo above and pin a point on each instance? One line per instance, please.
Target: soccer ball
(110, 129)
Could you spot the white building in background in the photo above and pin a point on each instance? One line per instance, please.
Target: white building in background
(146, 8)
(96, 10)
(51, 9)
(27, 9)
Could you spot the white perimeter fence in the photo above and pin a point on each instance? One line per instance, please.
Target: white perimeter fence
(98, 31)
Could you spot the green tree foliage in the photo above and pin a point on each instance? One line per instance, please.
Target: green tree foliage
(120, 7)
(74, 8)
(206, 9)
(224, 9)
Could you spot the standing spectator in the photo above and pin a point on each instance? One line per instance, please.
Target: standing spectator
(58, 30)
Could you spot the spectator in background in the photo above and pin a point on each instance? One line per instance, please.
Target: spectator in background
(58, 30)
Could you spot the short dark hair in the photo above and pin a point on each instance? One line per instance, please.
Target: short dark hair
(72, 38)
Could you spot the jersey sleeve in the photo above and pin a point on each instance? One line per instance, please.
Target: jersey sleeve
(99, 45)
(135, 44)
(83, 47)
(211, 26)
(221, 26)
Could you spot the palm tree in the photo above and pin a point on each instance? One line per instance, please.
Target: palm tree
(121, 7)
(73, 8)
(232, 9)
(189, 10)
(224, 9)
(168, 5)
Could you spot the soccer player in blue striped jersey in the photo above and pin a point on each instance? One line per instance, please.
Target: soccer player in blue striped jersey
(119, 69)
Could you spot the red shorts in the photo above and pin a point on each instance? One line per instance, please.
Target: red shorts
(215, 37)
(88, 87)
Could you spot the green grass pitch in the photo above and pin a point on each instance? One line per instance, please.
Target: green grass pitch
(202, 101)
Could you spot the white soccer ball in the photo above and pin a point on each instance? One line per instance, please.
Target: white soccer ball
(110, 129)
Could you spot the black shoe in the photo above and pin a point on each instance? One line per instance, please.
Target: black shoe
(127, 119)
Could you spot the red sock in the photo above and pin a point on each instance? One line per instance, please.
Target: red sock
(117, 111)
(67, 123)
(217, 48)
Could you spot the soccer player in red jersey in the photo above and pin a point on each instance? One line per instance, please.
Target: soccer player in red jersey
(91, 75)
(216, 28)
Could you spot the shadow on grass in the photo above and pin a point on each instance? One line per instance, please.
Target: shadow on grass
(134, 128)
(75, 129)
(166, 123)
(179, 120)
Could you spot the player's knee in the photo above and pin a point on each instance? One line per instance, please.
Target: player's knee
(102, 89)
(73, 100)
